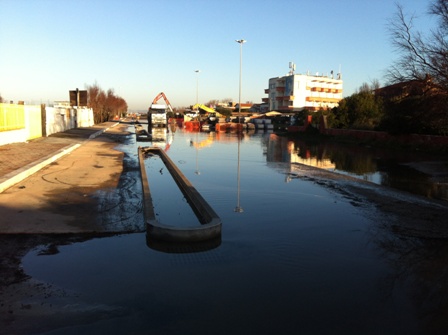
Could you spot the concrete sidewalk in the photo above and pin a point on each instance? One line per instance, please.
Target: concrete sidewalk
(92, 190)
(20, 160)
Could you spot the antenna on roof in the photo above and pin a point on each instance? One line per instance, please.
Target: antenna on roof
(292, 68)
(339, 73)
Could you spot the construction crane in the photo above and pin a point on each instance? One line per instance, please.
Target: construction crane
(160, 96)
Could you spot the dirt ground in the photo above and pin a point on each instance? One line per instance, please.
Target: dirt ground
(402, 213)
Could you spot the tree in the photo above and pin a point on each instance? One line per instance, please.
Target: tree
(1, 98)
(340, 116)
(361, 110)
(226, 100)
(419, 114)
(105, 105)
(421, 57)
(96, 101)
(212, 102)
(421, 73)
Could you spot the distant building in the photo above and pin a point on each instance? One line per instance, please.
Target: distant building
(296, 92)
(259, 108)
(407, 89)
(243, 106)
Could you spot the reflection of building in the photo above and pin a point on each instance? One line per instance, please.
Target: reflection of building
(295, 92)
(204, 143)
(161, 137)
(281, 149)
(322, 163)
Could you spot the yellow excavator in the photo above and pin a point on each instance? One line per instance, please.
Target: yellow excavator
(211, 113)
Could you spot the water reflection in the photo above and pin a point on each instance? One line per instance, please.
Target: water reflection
(419, 268)
(304, 258)
(197, 172)
(199, 144)
(238, 208)
(384, 167)
(182, 248)
(159, 137)
(162, 137)
(399, 170)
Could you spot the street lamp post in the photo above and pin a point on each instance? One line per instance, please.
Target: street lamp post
(238, 208)
(241, 42)
(197, 85)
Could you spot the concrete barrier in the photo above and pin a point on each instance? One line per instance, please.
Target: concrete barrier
(210, 227)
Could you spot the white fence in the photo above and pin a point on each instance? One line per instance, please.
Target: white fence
(56, 119)
(59, 119)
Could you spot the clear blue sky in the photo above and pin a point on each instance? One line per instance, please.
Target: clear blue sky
(142, 47)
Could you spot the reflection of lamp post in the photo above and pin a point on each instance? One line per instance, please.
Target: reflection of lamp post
(238, 208)
(197, 164)
(241, 42)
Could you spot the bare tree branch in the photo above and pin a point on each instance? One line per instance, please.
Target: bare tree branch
(421, 57)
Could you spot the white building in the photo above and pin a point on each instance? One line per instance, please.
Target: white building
(296, 92)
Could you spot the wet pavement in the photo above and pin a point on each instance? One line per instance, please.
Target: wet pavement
(18, 158)
(74, 182)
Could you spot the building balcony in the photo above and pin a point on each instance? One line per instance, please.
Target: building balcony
(280, 88)
(322, 99)
(265, 99)
(288, 98)
(324, 89)
(266, 91)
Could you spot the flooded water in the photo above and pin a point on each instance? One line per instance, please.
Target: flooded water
(298, 258)
(415, 172)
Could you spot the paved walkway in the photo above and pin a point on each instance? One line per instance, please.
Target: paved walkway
(20, 160)
(88, 191)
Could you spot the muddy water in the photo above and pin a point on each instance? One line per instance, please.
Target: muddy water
(299, 259)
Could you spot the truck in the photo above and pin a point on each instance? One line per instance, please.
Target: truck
(157, 113)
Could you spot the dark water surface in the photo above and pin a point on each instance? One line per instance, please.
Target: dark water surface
(300, 259)
(413, 171)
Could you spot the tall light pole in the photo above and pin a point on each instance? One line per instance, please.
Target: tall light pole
(197, 85)
(238, 208)
(241, 42)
